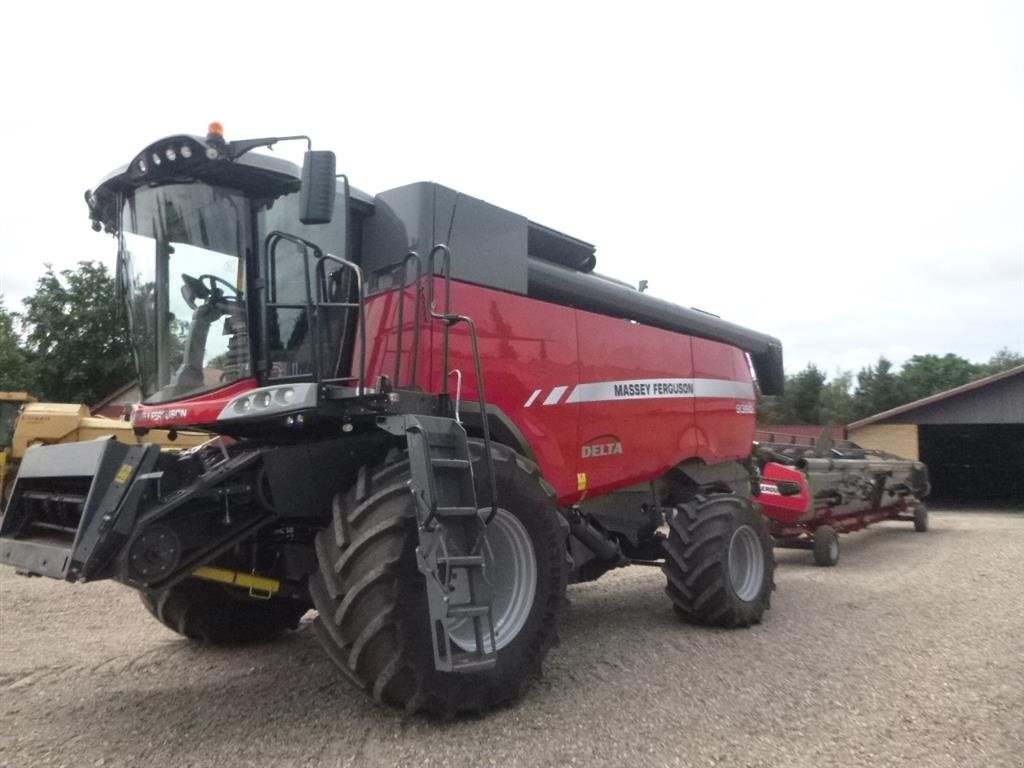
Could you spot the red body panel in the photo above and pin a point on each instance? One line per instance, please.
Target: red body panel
(605, 403)
(779, 508)
(382, 336)
(202, 409)
(524, 344)
(724, 424)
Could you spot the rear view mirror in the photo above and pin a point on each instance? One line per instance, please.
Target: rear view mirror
(316, 197)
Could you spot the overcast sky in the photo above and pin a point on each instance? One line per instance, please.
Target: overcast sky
(848, 177)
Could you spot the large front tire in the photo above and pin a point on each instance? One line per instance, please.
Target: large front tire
(220, 615)
(719, 562)
(372, 603)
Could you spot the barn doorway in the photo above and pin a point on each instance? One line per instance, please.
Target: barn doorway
(974, 461)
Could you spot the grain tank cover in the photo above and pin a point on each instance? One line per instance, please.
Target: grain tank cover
(490, 246)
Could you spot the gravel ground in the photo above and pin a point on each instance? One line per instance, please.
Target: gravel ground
(910, 652)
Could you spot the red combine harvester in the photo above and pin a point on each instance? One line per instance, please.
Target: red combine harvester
(812, 492)
(339, 344)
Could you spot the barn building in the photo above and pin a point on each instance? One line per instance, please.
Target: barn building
(971, 437)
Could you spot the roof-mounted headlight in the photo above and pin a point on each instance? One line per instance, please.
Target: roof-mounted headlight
(167, 158)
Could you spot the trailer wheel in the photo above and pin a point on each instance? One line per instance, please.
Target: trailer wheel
(921, 518)
(719, 562)
(826, 546)
(372, 603)
(220, 615)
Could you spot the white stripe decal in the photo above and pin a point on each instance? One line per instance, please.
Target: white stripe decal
(533, 397)
(651, 389)
(555, 396)
(739, 390)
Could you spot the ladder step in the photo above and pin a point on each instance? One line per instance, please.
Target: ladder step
(456, 511)
(461, 561)
(439, 440)
(450, 463)
(467, 611)
(443, 487)
(473, 664)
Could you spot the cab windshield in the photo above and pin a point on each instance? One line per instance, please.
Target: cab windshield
(183, 252)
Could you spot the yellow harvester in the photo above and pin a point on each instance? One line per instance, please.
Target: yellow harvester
(24, 422)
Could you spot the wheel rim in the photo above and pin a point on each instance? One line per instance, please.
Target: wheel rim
(511, 570)
(833, 548)
(746, 563)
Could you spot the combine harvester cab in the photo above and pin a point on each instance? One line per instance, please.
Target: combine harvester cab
(432, 415)
(811, 493)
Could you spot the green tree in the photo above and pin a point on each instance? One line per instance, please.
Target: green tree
(1003, 360)
(14, 365)
(809, 399)
(76, 335)
(836, 402)
(878, 389)
(803, 395)
(924, 375)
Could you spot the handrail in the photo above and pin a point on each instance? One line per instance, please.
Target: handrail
(321, 278)
(415, 257)
(449, 320)
(311, 306)
(269, 245)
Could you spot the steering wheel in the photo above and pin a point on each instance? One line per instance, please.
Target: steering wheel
(194, 288)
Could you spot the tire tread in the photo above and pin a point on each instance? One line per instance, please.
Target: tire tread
(208, 613)
(696, 561)
(368, 607)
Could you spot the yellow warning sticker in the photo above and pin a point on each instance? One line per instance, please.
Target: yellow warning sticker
(581, 481)
(123, 474)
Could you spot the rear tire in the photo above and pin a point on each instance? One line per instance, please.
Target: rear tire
(921, 518)
(372, 603)
(719, 562)
(826, 546)
(215, 614)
